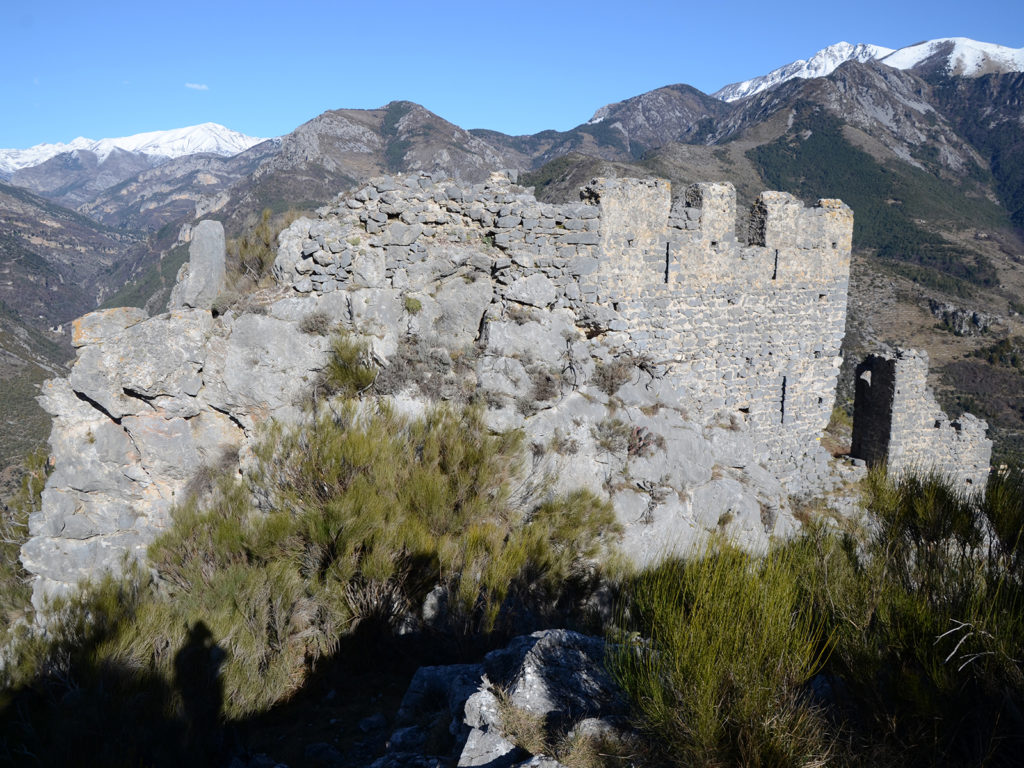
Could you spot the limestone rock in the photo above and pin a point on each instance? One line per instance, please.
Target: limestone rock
(262, 368)
(161, 356)
(535, 290)
(557, 675)
(461, 305)
(102, 324)
(204, 278)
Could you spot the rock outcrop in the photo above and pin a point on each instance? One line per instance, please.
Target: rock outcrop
(647, 352)
(554, 678)
(201, 280)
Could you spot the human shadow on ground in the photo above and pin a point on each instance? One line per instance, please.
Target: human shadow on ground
(79, 712)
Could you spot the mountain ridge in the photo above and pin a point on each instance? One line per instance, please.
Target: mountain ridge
(959, 56)
(211, 138)
(922, 158)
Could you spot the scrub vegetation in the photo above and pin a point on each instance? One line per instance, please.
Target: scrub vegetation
(902, 648)
(901, 645)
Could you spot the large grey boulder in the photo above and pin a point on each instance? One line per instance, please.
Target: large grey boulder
(556, 675)
(103, 323)
(202, 279)
(462, 303)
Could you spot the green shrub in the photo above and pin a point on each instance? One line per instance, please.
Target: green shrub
(15, 592)
(351, 519)
(349, 371)
(718, 651)
(413, 305)
(252, 254)
(928, 619)
(612, 435)
(68, 700)
(254, 251)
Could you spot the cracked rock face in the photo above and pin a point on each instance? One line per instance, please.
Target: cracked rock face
(646, 354)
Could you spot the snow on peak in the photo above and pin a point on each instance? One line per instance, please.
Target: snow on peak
(820, 64)
(206, 138)
(602, 113)
(964, 57)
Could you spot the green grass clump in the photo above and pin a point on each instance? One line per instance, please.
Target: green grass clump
(367, 513)
(316, 323)
(349, 371)
(609, 377)
(15, 591)
(929, 622)
(251, 255)
(67, 700)
(719, 650)
(903, 647)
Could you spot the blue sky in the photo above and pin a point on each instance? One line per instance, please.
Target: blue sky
(108, 69)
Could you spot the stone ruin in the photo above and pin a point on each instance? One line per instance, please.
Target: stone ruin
(739, 331)
(647, 352)
(898, 423)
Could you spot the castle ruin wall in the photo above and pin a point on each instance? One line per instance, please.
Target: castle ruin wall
(730, 330)
(730, 348)
(898, 423)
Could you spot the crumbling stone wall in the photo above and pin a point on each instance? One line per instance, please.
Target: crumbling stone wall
(898, 422)
(646, 352)
(725, 330)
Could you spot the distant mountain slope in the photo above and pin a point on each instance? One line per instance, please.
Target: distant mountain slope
(27, 357)
(820, 64)
(988, 111)
(334, 150)
(74, 178)
(56, 264)
(177, 191)
(208, 138)
(959, 56)
(622, 131)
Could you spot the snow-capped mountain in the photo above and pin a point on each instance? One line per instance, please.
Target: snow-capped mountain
(954, 55)
(208, 138)
(820, 64)
(964, 57)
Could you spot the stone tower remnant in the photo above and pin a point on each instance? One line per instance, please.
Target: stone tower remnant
(897, 421)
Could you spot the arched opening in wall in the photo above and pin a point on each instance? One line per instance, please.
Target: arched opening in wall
(782, 403)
